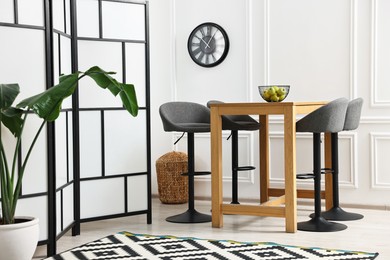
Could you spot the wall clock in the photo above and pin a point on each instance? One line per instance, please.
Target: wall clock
(208, 44)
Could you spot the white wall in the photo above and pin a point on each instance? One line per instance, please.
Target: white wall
(324, 49)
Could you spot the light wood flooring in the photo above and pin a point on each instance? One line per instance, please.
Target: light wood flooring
(371, 234)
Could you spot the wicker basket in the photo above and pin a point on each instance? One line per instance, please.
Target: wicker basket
(172, 186)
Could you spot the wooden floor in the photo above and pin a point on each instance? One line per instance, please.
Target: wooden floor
(371, 234)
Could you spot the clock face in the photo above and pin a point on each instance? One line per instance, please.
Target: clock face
(208, 44)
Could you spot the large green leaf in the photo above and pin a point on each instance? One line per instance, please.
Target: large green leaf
(129, 98)
(125, 91)
(8, 93)
(12, 119)
(103, 79)
(47, 104)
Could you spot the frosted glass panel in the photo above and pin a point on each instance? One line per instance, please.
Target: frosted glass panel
(87, 18)
(102, 197)
(66, 52)
(58, 212)
(56, 58)
(22, 43)
(67, 22)
(58, 15)
(66, 64)
(68, 206)
(123, 21)
(61, 150)
(7, 11)
(70, 145)
(137, 193)
(125, 142)
(90, 144)
(36, 207)
(135, 69)
(31, 12)
(108, 56)
(35, 176)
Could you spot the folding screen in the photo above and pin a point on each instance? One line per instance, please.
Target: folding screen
(94, 162)
(23, 60)
(113, 145)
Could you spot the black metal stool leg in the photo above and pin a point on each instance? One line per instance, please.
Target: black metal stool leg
(318, 223)
(191, 215)
(234, 167)
(336, 212)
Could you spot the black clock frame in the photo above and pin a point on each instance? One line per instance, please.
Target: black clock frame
(225, 51)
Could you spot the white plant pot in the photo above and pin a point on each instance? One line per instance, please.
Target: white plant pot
(19, 241)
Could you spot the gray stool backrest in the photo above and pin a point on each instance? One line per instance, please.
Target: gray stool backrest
(236, 122)
(329, 118)
(352, 118)
(185, 117)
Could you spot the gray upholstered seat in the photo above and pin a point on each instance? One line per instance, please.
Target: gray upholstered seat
(236, 123)
(329, 118)
(354, 111)
(191, 118)
(352, 120)
(185, 117)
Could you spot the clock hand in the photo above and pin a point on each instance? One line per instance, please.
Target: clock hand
(207, 43)
(211, 38)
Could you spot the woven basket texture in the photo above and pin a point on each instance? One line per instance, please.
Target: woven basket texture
(172, 186)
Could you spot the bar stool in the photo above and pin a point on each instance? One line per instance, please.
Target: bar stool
(352, 120)
(327, 119)
(236, 123)
(190, 118)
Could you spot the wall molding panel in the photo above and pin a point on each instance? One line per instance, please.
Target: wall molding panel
(248, 52)
(352, 48)
(352, 175)
(379, 160)
(380, 55)
(353, 45)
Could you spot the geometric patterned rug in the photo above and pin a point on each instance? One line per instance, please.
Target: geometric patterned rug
(126, 245)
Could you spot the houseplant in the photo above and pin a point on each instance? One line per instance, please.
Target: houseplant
(47, 106)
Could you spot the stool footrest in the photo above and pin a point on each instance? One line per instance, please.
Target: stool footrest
(326, 170)
(304, 176)
(196, 173)
(245, 168)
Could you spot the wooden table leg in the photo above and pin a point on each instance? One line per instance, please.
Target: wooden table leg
(328, 177)
(290, 170)
(264, 157)
(216, 168)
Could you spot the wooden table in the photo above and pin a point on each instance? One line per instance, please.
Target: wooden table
(286, 204)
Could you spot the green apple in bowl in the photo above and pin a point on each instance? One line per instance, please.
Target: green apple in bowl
(274, 93)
